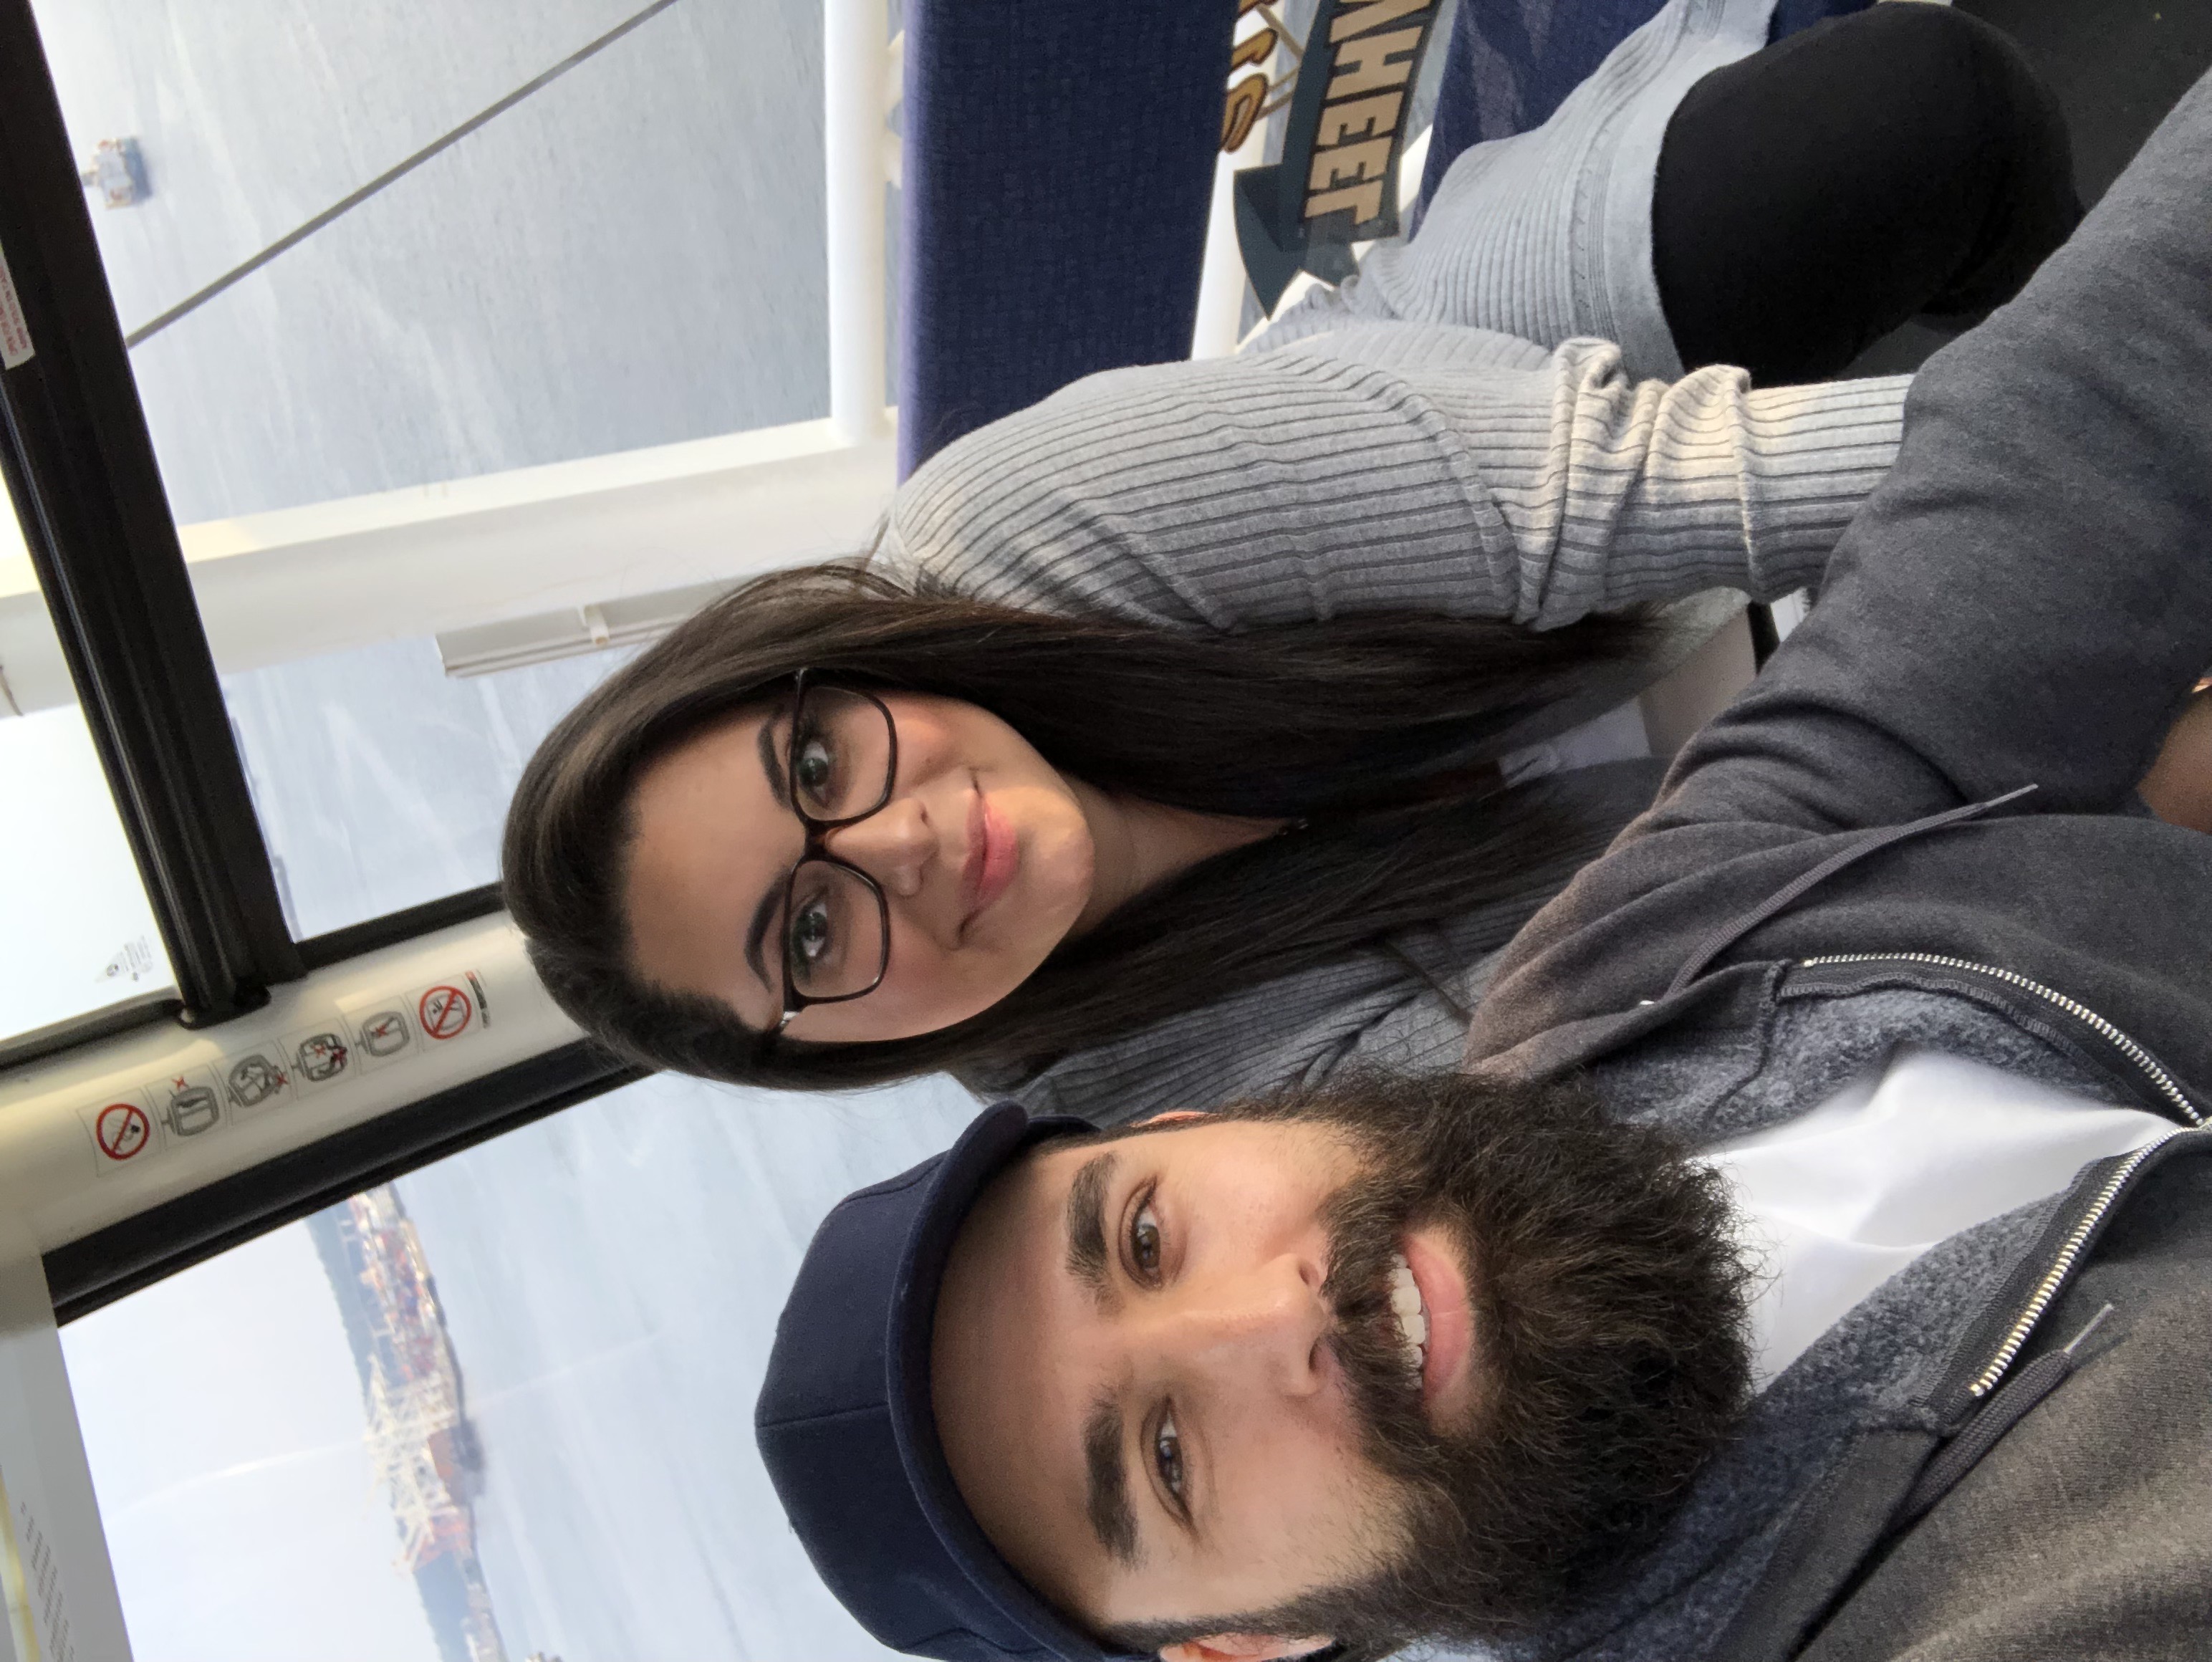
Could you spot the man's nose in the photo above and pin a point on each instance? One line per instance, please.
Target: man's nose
(894, 845)
(1261, 1327)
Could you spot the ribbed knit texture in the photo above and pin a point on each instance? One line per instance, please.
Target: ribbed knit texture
(1547, 234)
(1383, 466)
(1432, 466)
(1387, 467)
(1392, 466)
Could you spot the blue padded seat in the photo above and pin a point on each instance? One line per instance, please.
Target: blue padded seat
(1059, 169)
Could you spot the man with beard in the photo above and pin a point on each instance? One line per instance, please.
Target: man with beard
(1300, 1368)
(1812, 1263)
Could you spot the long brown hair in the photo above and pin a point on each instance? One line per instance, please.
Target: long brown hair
(1367, 726)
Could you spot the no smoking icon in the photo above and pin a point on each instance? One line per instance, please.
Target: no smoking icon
(445, 1012)
(122, 1130)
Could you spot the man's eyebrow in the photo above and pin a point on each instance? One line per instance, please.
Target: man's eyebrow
(764, 912)
(1107, 1498)
(1086, 1225)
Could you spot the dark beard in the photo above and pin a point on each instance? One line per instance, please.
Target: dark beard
(1609, 1313)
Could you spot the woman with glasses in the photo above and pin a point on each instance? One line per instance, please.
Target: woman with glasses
(1184, 734)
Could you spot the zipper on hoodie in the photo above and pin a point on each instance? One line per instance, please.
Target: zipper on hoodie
(2055, 1274)
(2062, 1265)
(2146, 1064)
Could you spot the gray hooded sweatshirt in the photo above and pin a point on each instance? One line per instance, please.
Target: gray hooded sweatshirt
(1842, 862)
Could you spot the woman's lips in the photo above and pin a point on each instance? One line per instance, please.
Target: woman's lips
(1445, 1385)
(993, 858)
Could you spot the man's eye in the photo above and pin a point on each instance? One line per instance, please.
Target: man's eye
(1167, 1455)
(1145, 1243)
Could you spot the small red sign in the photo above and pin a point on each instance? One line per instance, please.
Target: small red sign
(445, 1012)
(122, 1131)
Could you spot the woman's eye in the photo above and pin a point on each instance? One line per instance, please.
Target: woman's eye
(1145, 1243)
(810, 936)
(1167, 1455)
(813, 766)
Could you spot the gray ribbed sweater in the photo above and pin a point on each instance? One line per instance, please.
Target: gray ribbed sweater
(1382, 466)
(1392, 466)
(1422, 464)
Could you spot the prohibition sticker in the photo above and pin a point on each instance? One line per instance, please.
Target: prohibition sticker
(258, 1078)
(445, 1012)
(385, 1033)
(122, 1131)
(187, 1104)
(316, 1056)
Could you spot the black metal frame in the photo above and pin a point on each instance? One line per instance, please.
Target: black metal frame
(80, 463)
(124, 1257)
(319, 951)
(121, 1018)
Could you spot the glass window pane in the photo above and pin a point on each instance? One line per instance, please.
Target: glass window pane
(79, 933)
(630, 255)
(381, 781)
(502, 1406)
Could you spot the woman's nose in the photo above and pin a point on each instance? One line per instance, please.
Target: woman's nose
(894, 845)
(1261, 1327)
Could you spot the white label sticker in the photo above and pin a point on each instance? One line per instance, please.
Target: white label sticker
(189, 1103)
(15, 333)
(256, 1081)
(384, 1033)
(320, 1055)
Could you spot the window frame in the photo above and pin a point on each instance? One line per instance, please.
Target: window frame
(78, 460)
(111, 1263)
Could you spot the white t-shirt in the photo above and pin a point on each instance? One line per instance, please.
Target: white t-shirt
(1835, 1201)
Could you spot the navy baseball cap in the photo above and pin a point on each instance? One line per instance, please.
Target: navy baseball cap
(846, 1425)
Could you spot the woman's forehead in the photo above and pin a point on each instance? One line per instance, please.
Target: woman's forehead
(710, 836)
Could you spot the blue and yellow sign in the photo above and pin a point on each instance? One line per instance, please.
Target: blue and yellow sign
(1337, 182)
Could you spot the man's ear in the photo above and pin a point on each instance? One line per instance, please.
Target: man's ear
(1169, 1118)
(1241, 1647)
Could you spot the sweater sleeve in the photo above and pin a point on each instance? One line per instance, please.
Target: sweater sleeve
(1396, 467)
(2027, 599)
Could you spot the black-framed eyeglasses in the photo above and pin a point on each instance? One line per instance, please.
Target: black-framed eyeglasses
(838, 769)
